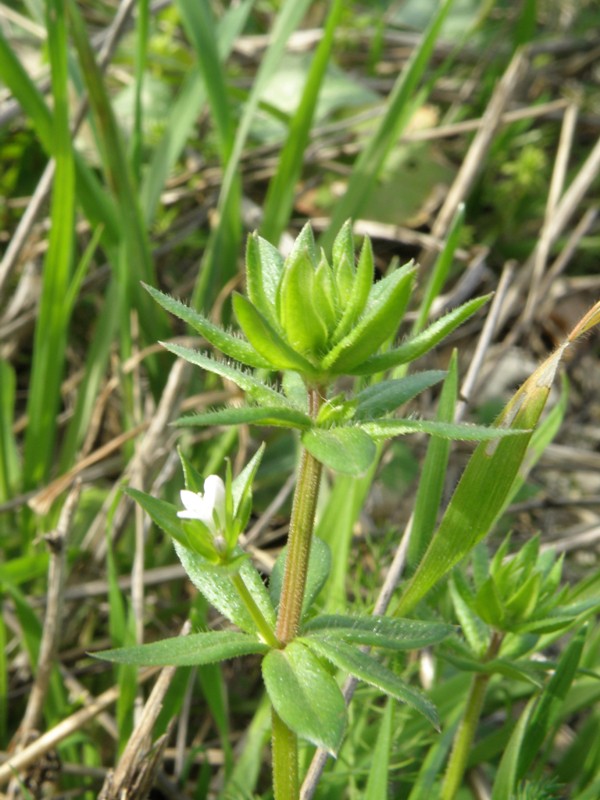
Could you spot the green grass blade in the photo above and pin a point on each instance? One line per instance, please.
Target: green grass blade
(440, 271)
(135, 261)
(547, 712)
(280, 195)
(3, 686)
(484, 486)
(336, 526)
(222, 253)
(95, 369)
(401, 105)
(141, 52)
(507, 772)
(246, 771)
(53, 318)
(97, 206)
(9, 461)
(185, 112)
(433, 474)
(377, 784)
(200, 26)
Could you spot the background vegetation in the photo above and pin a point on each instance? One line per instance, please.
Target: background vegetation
(142, 142)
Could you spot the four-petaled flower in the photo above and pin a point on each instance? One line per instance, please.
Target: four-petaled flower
(209, 507)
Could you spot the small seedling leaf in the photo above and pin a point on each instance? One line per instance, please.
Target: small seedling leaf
(305, 695)
(347, 450)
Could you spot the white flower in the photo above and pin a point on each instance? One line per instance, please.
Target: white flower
(203, 506)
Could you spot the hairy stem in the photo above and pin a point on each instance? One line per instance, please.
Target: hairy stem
(284, 741)
(299, 540)
(468, 726)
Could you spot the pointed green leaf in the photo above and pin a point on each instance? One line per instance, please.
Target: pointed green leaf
(193, 480)
(386, 396)
(348, 450)
(475, 631)
(264, 267)
(241, 490)
(381, 319)
(422, 343)
(304, 328)
(324, 295)
(187, 651)
(319, 567)
(265, 339)
(377, 631)
(162, 514)
(360, 289)
(488, 604)
(343, 265)
(229, 344)
(305, 695)
(252, 415)
(219, 590)
(367, 669)
(256, 389)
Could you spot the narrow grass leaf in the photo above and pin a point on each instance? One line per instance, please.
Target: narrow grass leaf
(377, 783)
(484, 486)
(96, 203)
(433, 474)
(9, 460)
(185, 112)
(347, 450)
(200, 26)
(186, 651)
(136, 265)
(3, 685)
(223, 247)
(546, 714)
(422, 343)
(282, 188)
(23, 568)
(305, 696)
(52, 322)
(400, 107)
(440, 270)
(97, 356)
(249, 762)
(336, 527)
(377, 631)
(367, 669)
(289, 17)
(506, 776)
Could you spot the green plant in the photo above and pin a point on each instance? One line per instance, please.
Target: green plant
(315, 321)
